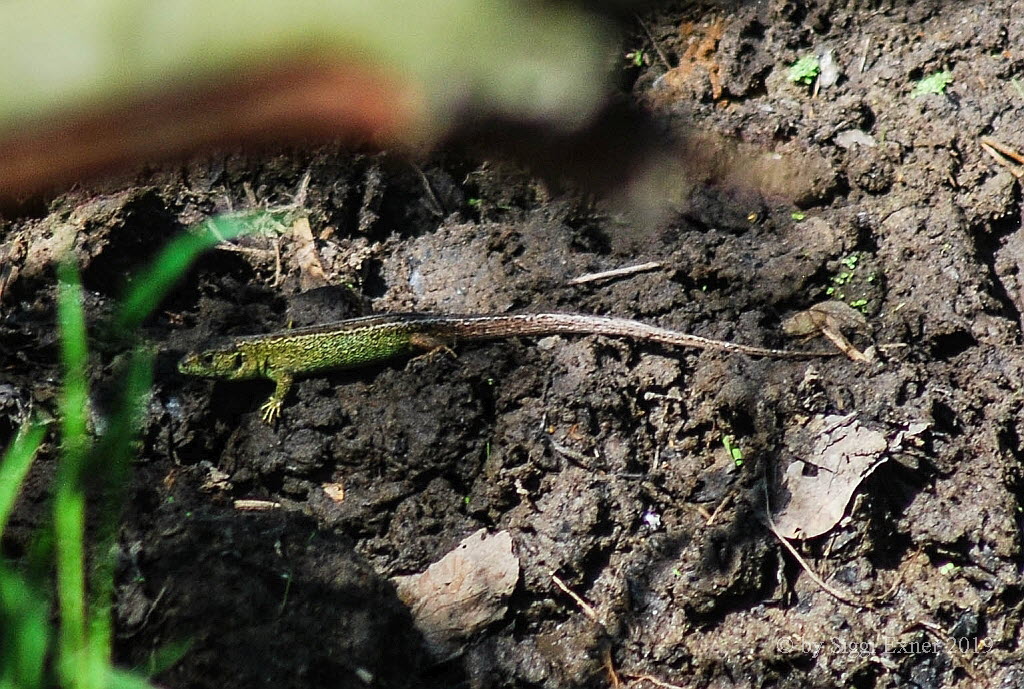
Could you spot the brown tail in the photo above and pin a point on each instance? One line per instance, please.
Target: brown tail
(491, 327)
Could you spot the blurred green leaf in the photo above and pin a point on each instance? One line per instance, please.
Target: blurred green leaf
(24, 632)
(69, 495)
(15, 466)
(523, 59)
(153, 284)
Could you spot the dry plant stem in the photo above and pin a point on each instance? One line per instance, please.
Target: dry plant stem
(637, 679)
(256, 505)
(587, 609)
(726, 501)
(838, 595)
(654, 43)
(1002, 148)
(1000, 152)
(616, 273)
(277, 262)
(435, 203)
(609, 667)
(944, 638)
(578, 458)
(844, 345)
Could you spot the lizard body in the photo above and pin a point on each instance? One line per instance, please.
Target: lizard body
(362, 341)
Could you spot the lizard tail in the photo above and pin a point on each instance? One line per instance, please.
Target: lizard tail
(491, 327)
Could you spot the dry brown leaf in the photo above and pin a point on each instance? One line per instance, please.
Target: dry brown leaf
(311, 270)
(830, 318)
(462, 592)
(334, 491)
(816, 488)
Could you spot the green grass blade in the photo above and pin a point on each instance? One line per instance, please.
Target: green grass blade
(111, 461)
(69, 495)
(154, 283)
(74, 357)
(15, 464)
(86, 632)
(120, 679)
(24, 632)
(165, 657)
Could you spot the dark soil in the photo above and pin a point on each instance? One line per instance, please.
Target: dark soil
(604, 459)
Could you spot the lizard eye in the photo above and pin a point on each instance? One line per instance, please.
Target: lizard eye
(207, 359)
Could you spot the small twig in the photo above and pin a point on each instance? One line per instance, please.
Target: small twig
(636, 679)
(945, 639)
(718, 509)
(5, 275)
(1014, 169)
(299, 200)
(1002, 148)
(835, 593)
(616, 273)
(576, 457)
(584, 605)
(609, 666)
(435, 204)
(228, 246)
(844, 345)
(864, 54)
(256, 505)
(149, 613)
(654, 43)
(277, 261)
(1000, 152)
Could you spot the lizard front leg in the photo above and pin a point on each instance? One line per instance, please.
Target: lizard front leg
(271, 409)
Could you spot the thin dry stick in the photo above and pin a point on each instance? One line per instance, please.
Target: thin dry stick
(1015, 170)
(435, 203)
(1002, 148)
(228, 246)
(584, 605)
(5, 276)
(864, 54)
(1000, 152)
(945, 638)
(256, 505)
(607, 661)
(650, 37)
(616, 273)
(609, 667)
(302, 192)
(636, 679)
(727, 500)
(835, 593)
(578, 458)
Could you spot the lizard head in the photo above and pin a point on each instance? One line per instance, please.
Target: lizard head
(228, 362)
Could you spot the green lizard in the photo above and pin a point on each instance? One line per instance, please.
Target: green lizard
(361, 341)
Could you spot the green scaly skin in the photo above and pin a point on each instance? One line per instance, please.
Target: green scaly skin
(373, 339)
(280, 356)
